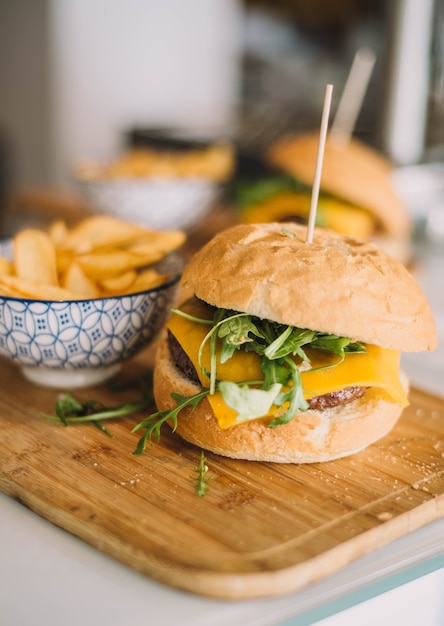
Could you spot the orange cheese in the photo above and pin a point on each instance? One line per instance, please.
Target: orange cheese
(378, 367)
(339, 216)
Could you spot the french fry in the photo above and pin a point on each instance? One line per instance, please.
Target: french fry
(58, 232)
(76, 281)
(101, 256)
(106, 264)
(35, 257)
(23, 288)
(214, 162)
(147, 279)
(8, 291)
(64, 260)
(99, 231)
(157, 245)
(6, 266)
(118, 284)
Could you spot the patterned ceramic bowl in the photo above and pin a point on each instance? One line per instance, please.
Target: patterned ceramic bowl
(157, 203)
(81, 343)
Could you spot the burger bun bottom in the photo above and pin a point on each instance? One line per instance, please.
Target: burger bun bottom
(311, 437)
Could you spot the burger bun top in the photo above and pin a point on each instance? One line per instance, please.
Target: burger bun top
(351, 171)
(335, 284)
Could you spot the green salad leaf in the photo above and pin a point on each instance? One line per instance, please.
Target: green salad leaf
(247, 193)
(69, 410)
(201, 479)
(153, 423)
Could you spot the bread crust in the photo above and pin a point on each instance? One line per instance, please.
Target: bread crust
(312, 436)
(337, 285)
(351, 171)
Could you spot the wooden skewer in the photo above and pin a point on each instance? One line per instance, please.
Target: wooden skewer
(353, 95)
(319, 160)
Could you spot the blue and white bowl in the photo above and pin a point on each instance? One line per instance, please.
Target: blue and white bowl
(80, 343)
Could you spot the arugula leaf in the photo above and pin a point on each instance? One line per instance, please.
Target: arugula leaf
(248, 193)
(234, 329)
(274, 372)
(201, 479)
(67, 406)
(154, 422)
(234, 333)
(193, 318)
(69, 410)
(336, 345)
(290, 341)
(294, 396)
(288, 233)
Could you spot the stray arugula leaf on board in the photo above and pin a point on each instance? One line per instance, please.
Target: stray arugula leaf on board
(69, 410)
(201, 479)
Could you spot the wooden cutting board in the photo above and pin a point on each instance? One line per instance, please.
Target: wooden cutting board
(260, 530)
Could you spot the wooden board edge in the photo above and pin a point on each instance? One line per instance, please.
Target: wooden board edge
(242, 585)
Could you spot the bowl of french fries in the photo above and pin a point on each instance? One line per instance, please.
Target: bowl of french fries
(76, 303)
(157, 188)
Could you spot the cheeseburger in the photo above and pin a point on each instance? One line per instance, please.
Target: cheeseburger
(288, 351)
(357, 197)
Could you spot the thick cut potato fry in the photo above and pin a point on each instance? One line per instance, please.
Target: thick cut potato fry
(35, 257)
(6, 266)
(214, 162)
(22, 288)
(120, 283)
(76, 281)
(8, 291)
(64, 260)
(157, 245)
(58, 232)
(102, 256)
(99, 231)
(106, 264)
(147, 279)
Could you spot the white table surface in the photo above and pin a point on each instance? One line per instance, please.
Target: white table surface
(50, 578)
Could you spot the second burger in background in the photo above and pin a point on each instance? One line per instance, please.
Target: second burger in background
(357, 197)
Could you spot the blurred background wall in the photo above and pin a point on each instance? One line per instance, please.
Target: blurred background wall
(76, 76)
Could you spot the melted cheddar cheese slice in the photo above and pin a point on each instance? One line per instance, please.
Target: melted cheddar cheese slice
(343, 218)
(378, 367)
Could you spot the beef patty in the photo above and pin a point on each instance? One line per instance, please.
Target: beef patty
(319, 403)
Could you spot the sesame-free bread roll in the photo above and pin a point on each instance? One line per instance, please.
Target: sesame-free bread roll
(351, 171)
(336, 284)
